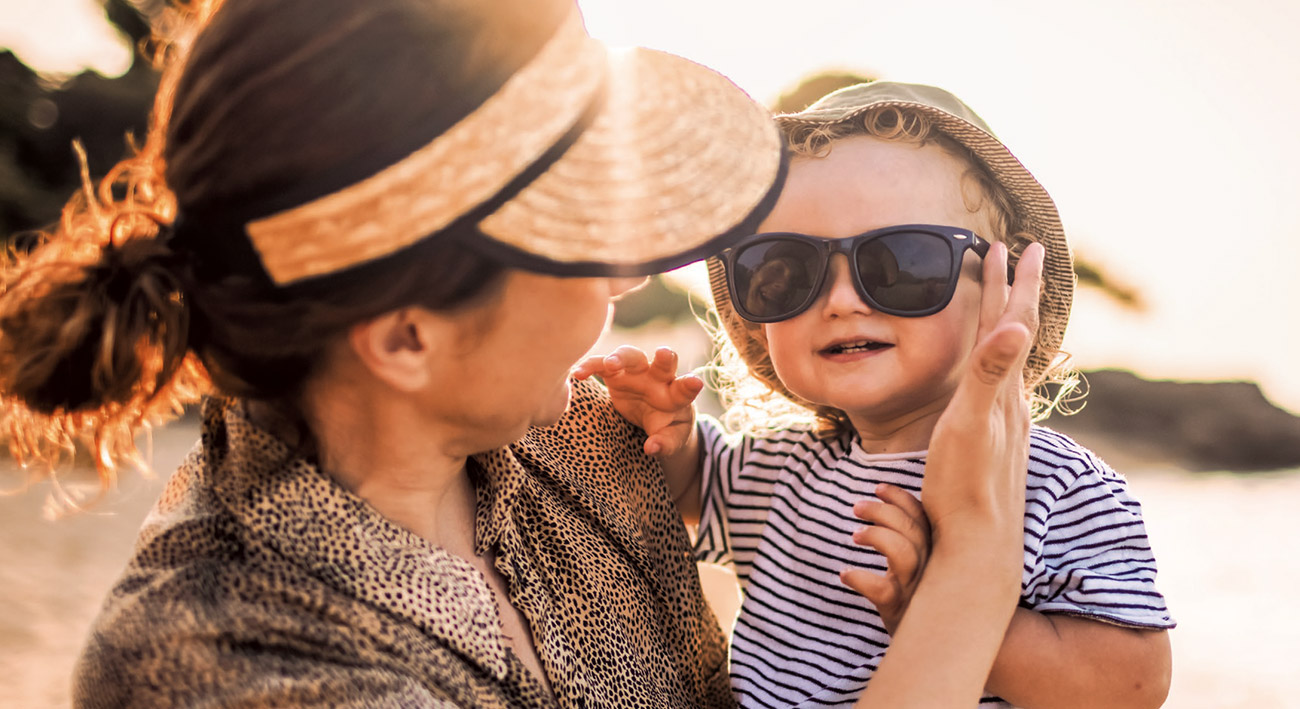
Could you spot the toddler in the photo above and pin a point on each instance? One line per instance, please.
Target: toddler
(859, 302)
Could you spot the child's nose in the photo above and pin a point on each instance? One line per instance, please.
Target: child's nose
(841, 297)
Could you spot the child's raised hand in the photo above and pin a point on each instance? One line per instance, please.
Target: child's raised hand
(649, 394)
(900, 531)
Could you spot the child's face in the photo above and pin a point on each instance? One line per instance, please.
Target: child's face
(909, 373)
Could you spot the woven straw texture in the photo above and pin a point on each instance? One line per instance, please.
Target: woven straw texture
(676, 156)
(679, 154)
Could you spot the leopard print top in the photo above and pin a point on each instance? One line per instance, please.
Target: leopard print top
(257, 581)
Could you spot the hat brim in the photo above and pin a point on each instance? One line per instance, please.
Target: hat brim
(678, 163)
(586, 161)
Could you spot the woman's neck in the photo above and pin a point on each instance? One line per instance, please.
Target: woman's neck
(377, 445)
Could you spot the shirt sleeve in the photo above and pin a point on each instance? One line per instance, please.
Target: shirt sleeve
(1086, 547)
(183, 670)
(722, 457)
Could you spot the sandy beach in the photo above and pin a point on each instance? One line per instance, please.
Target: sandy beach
(1223, 543)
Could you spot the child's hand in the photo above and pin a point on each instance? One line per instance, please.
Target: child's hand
(649, 394)
(900, 531)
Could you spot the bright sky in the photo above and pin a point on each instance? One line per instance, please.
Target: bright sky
(1166, 131)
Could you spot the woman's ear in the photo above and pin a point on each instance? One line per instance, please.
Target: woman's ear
(397, 347)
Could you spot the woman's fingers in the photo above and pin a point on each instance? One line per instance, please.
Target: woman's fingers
(1022, 302)
(994, 292)
(1000, 304)
(1004, 348)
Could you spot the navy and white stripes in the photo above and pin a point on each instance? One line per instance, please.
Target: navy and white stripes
(779, 509)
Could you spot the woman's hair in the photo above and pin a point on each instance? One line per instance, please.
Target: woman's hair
(108, 325)
(751, 405)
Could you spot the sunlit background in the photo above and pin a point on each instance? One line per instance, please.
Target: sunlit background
(1167, 132)
(1169, 135)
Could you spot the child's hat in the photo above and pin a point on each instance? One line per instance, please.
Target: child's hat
(956, 120)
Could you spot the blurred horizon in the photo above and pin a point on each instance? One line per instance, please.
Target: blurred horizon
(1155, 126)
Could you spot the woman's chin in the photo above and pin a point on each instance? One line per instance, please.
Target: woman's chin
(550, 413)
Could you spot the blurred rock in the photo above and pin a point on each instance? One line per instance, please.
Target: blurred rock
(1227, 426)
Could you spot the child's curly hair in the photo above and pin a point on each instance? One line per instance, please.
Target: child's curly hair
(742, 372)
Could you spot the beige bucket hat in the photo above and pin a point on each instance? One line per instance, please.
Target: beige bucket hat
(1029, 199)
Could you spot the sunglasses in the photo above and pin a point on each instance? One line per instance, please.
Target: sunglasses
(909, 270)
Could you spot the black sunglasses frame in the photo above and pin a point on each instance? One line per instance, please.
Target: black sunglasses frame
(957, 238)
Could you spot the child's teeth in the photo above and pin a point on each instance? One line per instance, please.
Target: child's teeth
(857, 347)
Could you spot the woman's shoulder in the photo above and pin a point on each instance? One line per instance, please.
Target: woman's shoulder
(184, 546)
(159, 613)
(590, 440)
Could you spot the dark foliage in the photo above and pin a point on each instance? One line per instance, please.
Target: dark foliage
(41, 116)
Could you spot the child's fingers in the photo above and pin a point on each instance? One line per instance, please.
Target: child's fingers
(626, 360)
(683, 390)
(669, 439)
(905, 501)
(877, 588)
(664, 365)
(589, 366)
(908, 521)
(902, 556)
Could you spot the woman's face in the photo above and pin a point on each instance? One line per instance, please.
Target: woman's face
(509, 369)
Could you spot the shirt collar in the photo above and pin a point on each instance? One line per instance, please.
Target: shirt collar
(289, 505)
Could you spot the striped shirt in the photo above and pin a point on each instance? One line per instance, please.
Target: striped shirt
(778, 509)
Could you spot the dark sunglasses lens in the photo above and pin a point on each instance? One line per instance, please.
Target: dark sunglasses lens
(906, 271)
(774, 278)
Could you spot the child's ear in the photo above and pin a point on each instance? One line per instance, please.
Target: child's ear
(397, 347)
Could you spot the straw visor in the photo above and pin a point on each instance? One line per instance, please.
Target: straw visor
(659, 160)
(1030, 201)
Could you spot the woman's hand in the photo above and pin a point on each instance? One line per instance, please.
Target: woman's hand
(974, 485)
(974, 495)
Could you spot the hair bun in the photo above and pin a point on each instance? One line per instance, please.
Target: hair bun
(78, 337)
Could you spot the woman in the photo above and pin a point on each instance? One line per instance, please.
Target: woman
(381, 233)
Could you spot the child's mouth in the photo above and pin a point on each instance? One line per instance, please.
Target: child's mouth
(855, 347)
